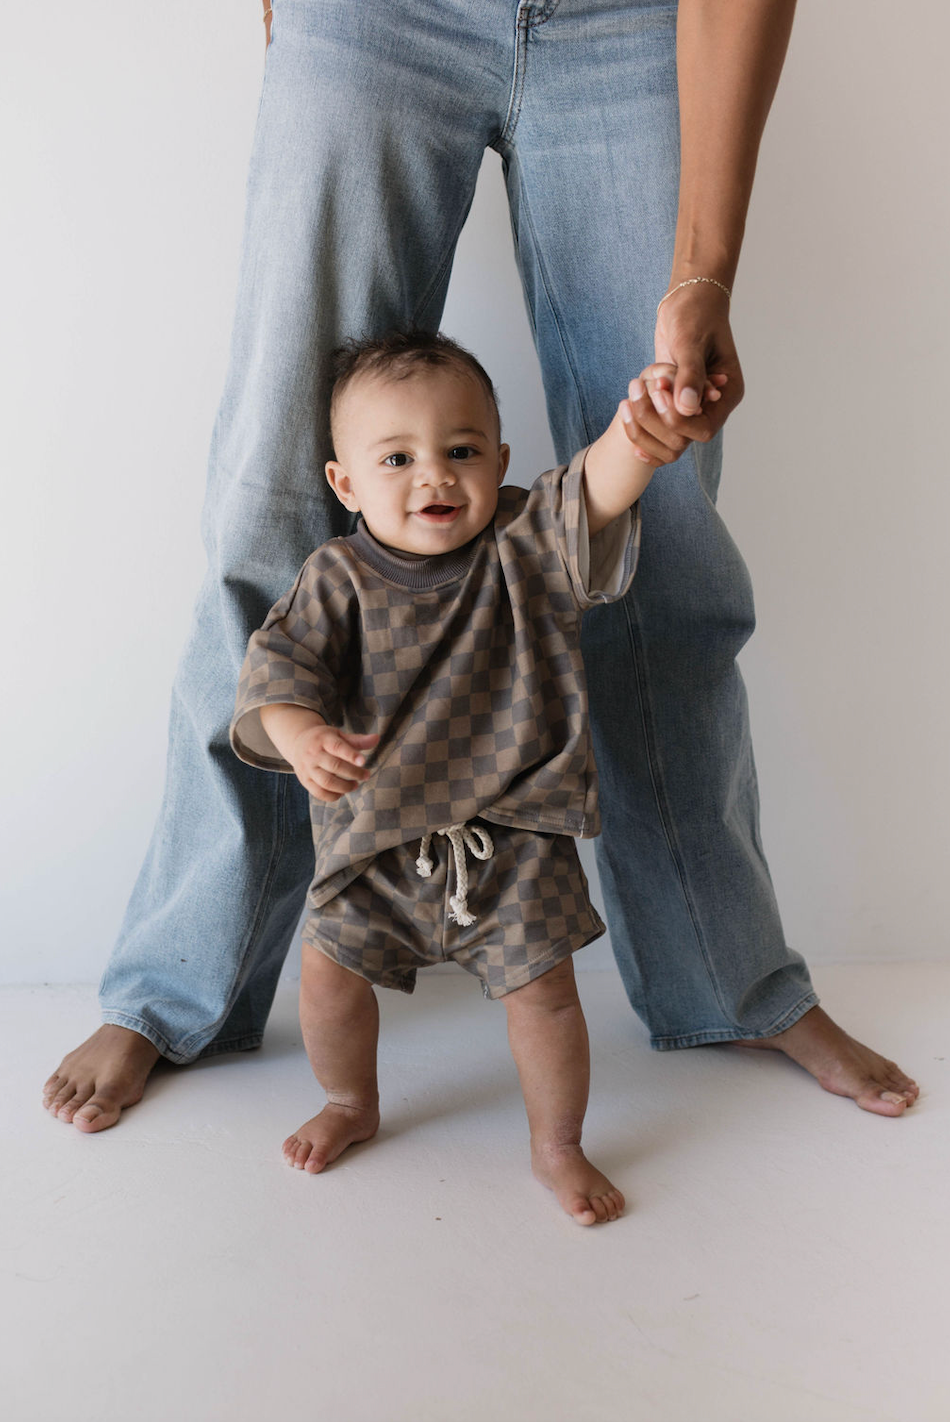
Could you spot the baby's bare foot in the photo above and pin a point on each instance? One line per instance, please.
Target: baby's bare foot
(581, 1190)
(96, 1081)
(842, 1065)
(326, 1136)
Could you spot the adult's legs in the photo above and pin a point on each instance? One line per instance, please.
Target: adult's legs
(369, 140)
(592, 165)
(591, 154)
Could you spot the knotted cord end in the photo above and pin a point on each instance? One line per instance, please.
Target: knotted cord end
(460, 912)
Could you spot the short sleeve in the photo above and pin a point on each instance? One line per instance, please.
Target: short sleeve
(554, 515)
(296, 658)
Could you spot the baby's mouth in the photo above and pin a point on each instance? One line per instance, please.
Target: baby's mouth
(440, 513)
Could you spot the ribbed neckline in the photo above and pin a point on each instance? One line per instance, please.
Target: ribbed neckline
(417, 573)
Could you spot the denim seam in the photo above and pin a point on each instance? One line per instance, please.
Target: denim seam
(248, 1042)
(662, 805)
(517, 79)
(722, 1034)
(280, 839)
(115, 1017)
(540, 13)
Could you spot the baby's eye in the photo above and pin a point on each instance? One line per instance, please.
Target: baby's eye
(462, 451)
(396, 461)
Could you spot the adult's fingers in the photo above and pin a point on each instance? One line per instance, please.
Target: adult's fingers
(689, 384)
(659, 380)
(693, 333)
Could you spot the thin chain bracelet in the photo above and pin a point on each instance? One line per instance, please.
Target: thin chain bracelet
(268, 11)
(692, 282)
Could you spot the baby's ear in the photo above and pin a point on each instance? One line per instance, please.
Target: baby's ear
(504, 454)
(339, 482)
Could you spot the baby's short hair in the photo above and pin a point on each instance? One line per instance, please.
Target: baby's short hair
(398, 355)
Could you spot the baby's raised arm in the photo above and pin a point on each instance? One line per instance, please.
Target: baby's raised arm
(620, 464)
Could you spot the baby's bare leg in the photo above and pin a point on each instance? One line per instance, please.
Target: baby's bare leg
(548, 1037)
(339, 1016)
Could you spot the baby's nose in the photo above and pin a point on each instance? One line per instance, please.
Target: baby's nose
(437, 474)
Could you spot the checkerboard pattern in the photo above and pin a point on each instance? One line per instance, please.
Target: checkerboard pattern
(468, 666)
(530, 900)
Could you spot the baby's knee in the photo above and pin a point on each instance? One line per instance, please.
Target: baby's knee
(553, 991)
(323, 977)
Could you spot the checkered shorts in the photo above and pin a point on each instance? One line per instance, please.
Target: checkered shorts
(530, 899)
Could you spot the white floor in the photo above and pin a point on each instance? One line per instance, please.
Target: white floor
(784, 1256)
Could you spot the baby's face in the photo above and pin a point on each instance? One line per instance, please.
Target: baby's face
(420, 458)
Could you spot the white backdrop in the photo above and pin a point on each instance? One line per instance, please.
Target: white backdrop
(127, 130)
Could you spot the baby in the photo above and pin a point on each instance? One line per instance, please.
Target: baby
(423, 680)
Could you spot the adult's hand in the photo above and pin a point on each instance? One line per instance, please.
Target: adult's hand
(268, 16)
(693, 333)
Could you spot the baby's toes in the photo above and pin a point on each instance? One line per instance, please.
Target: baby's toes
(295, 1151)
(599, 1205)
(615, 1203)
(583, 1211)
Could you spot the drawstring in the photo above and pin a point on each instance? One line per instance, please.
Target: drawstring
(461, 837)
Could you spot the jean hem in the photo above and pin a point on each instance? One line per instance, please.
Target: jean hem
(726, 1034)
(115, 1018)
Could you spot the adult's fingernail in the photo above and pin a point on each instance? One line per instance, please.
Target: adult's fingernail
(689, 398)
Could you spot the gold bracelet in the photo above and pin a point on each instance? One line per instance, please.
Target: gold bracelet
(268, 11)
(692, 282)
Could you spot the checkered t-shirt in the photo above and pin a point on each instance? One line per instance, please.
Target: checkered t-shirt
(468, 666)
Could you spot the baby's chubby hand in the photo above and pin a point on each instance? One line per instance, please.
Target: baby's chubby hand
(649, 400)
(329, 763)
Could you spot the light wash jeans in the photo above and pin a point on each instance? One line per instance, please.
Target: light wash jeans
(373, 122)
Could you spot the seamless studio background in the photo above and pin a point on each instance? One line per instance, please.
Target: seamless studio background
(128, 132)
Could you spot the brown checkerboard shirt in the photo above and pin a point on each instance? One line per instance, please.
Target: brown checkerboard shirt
(468, 665)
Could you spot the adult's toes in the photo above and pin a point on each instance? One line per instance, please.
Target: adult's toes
(64, 1094)
(98, 1114)
(883, 1103)
(67, 1109)
(51, 1088)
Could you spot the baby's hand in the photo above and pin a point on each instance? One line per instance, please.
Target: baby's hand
(650, 399)
(328, 762)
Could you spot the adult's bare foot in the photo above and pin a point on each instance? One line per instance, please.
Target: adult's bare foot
(842, 1065)
(99, 1079)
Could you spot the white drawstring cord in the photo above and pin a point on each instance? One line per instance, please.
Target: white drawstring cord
(461, 837)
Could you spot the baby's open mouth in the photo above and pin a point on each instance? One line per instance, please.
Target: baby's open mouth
(442, 512)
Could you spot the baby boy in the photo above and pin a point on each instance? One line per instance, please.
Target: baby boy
(423, 680)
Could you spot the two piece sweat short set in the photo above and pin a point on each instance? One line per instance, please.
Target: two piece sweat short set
(468, 665)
